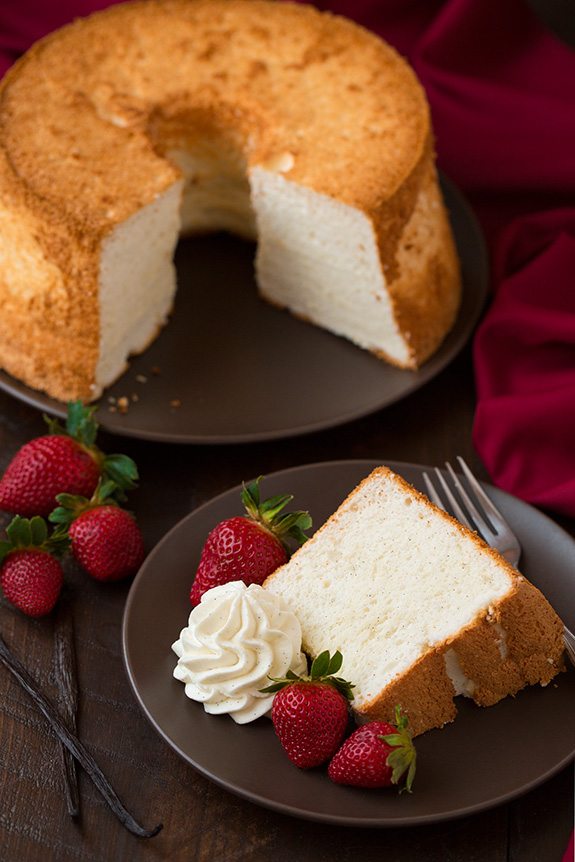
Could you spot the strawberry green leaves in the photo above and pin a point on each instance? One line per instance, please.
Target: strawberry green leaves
(402, 758)
(24, 533)
(121, 470)
(80, 424)
(268, 513)
(70, 506)
(324, 667)
(322, 670)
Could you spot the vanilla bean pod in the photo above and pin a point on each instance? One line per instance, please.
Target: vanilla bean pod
(65, 673)
(72, 743)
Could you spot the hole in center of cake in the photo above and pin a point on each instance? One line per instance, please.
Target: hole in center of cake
(208, 146)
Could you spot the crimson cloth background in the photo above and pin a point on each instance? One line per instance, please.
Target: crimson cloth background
(501, 91)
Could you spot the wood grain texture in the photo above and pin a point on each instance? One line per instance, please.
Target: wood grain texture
(203, 823)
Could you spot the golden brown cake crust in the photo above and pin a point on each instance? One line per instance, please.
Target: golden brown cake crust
(78, 154)
(426, 293)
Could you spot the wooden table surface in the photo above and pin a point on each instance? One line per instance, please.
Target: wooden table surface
(201, 821)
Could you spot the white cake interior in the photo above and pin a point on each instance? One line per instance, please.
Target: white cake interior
(137, 282)
(319, 258)
(384, 580)
(216, 191)
(316, 256)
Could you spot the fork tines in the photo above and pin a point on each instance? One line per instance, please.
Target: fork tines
(462, 505)
(473, 508)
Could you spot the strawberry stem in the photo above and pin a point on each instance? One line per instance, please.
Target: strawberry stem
(33, 533)
(402, 759)
(121, 470)
(80, 424)
(322, 669)
(268, 513)
(71, 505)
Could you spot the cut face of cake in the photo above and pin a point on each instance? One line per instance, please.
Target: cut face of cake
(154, 119)
(421, 609)
(319, 258)
(138, 256)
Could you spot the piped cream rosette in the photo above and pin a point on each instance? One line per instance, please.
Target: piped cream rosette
(236, 639)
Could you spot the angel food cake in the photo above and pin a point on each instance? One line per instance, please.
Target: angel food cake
(421, 608)
(153, 119)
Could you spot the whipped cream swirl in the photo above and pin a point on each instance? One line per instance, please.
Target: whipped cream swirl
(236, 638)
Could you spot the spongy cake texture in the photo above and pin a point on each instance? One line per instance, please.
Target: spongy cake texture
(420, 608)
(162, 116)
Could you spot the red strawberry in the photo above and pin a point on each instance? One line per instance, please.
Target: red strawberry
(32, 581)
(107, 543)
(377, 754)
(31, 577)
(64, 461)
(310, 713)
(43, 468)
(250, 547)
(105, 539)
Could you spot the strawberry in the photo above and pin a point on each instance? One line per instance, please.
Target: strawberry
(64, 461)
(249, 547)
(105, 539)
(310, 713)
(377, 754)
(30, 576)
(107, 543)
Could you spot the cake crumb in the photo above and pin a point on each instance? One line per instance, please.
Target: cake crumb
(141, 378)
(134, 396)
(112, 409)
(175, 402)
(111, 400)
(155, 369)
(123, 404)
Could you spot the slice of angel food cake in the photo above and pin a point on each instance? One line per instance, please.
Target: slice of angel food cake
(420, 607)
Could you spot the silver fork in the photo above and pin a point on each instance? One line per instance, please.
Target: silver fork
(483, 517)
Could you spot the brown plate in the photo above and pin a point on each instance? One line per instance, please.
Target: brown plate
(244, 371)
(485, 757)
